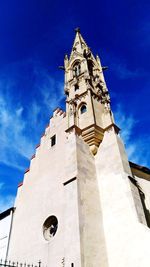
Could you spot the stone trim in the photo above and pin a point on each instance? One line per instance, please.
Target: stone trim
(116, 128)
(75, 128)
(93, 125)
(78, 96)
(27, 170)
(20, 184)
(37, 145)
(33, 156)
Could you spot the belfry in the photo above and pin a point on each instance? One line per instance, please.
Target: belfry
(87, 93)
(82, 203)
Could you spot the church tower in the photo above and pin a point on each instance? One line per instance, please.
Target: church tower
(88, 101)
(80, 203)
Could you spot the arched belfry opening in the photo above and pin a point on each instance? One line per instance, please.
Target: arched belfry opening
(76, 69)
(90, 66)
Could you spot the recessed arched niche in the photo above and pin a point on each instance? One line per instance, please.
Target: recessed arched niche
(90, 66)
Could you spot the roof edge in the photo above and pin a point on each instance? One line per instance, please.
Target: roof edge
(140, 168)
(6, 213)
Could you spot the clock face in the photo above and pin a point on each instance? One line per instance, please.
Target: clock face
(50, 227)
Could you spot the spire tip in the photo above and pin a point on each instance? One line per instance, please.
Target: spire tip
(77, 29)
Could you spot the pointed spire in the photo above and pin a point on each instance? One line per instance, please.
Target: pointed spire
(79, 44)
(77, 29)
(98, 61)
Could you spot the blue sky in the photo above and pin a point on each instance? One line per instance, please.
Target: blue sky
(34, 37)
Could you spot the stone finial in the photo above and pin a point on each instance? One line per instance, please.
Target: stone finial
(77, 29)
(66, 57)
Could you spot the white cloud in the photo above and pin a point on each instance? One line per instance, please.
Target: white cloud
(136, 147)
(21, 126)
(123, 72)
(126, 123)
(121, 68)
(6, 202)
(12, 139)
(21, 123)
(35, 110)
(51, 90)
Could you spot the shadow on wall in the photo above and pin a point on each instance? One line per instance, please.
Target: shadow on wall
(142, 198)
(146, 211)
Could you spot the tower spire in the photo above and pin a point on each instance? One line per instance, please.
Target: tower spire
(77, 29)
(88, 101)
(79, 44)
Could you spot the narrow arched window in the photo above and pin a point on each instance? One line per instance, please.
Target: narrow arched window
(90, 67)
(76, 87)
(77, 69)
(83, 109)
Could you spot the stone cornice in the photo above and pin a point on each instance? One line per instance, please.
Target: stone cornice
(77, 96)
(95, 126)
(74, 128)
(116, 128)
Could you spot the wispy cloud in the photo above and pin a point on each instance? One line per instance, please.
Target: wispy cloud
(121, 68)
(50, 89)
(5, 201)
(22, 122)
(136, 147)
(12, 139)
(18, 122)
(123, 72)
(126, 123)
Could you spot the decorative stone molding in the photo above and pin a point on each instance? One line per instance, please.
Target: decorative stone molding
(74, 129)
(93, 136)
(111, 127)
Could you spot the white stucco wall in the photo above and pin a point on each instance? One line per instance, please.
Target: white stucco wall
(127, 240)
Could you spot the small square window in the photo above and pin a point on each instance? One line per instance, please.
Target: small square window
(53, 140)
